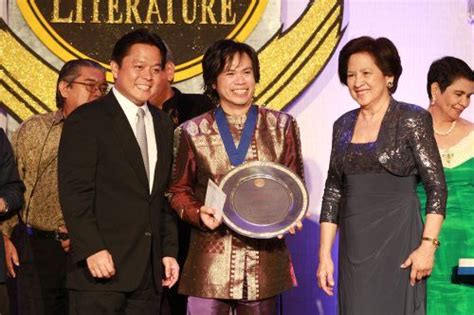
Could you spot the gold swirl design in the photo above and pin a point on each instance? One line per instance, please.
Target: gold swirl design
(293, 59)
(27, 81)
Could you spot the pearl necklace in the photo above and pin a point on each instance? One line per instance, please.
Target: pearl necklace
(445, 133)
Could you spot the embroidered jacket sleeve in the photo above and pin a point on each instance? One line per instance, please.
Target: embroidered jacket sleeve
(181, 191)
(428, 162)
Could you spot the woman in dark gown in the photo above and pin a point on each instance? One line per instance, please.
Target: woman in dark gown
(379, 152)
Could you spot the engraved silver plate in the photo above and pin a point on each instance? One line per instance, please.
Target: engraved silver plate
(264, 199)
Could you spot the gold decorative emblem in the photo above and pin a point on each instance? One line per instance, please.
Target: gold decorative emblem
(283, 121)
(192, 129)
(290, 61)
(272, 121)
(214, 127)
(204, 127)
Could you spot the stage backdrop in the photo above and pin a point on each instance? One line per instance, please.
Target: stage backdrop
(297, 40)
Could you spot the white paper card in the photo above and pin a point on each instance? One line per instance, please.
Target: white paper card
(215, 198)
(466, 262)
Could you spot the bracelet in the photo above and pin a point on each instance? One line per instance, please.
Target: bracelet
(434, 241)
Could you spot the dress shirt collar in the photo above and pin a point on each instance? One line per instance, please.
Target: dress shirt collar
(129, 108)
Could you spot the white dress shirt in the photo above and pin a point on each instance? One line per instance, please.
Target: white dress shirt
(131, 110)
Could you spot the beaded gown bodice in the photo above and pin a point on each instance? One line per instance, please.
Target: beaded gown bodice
(361, 158)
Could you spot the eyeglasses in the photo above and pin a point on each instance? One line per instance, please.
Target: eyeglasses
(92, 87)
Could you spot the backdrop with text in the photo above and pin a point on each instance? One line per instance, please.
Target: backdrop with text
(297, 40)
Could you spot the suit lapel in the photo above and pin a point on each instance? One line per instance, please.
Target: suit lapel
(126, 138)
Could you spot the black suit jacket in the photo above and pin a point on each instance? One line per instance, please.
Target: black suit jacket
(11, 189)
(105, 198)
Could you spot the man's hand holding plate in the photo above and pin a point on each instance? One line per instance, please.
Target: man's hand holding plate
(210, 217)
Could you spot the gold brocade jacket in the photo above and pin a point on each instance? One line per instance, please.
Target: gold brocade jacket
(36, 152)
(222, 264)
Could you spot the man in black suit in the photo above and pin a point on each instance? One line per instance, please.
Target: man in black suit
(11, 200)
(115, 159)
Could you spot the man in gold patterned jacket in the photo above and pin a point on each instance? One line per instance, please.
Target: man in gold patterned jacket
(225, 270)
(36, 241)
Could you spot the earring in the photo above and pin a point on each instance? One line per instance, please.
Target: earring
(389, 85)
(433, 100)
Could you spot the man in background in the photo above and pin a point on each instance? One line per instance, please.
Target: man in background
(36, 241)
(179, 106)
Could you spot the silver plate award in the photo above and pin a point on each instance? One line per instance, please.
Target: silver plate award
(264, 199)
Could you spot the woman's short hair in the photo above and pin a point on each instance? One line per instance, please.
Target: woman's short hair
(383, 51)
(445, 71)
(217, 56)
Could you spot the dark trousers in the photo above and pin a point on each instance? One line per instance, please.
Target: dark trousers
(4, 305)
(41, 277)
(145, 300)
(172, 302)
(4, 308)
